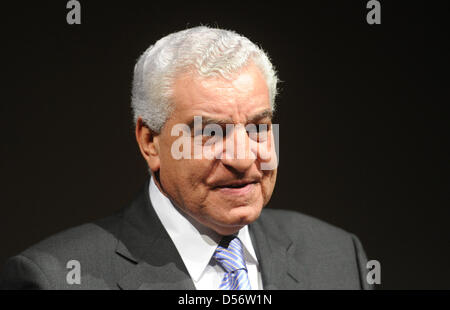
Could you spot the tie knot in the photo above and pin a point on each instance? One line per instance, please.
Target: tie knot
(230, 254)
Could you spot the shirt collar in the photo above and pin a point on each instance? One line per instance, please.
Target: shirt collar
(195, 243)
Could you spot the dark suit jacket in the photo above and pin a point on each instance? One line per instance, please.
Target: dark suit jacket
(132, 250)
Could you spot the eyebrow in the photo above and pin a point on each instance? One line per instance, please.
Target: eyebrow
(252, 119)
(261, 115)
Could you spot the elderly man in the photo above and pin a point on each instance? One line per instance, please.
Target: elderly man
(198, 222)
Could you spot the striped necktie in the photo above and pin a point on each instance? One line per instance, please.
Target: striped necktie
(230, 256)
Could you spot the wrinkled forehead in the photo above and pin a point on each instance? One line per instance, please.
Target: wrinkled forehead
(237, 99)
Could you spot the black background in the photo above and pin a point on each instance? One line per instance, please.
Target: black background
(363, 114)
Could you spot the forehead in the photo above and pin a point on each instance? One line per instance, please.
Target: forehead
(216, 97)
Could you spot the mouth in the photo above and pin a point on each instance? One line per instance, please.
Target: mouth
(237, 187)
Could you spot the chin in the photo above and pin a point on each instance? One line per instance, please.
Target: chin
(244, 215)
(230, 220)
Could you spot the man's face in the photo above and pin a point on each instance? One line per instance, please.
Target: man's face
(228, 193)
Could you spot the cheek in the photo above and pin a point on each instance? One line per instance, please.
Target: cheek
(268, 185)
(184, 179)
(185, 172)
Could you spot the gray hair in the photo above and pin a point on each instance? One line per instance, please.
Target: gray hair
(201, 50)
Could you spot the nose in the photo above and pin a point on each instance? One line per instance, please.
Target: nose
(239, 165)
(238, 154)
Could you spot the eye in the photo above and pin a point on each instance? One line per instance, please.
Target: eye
(205, 133)
(257, 132)
(212, 134)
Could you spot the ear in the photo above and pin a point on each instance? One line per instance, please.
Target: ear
(148, 141)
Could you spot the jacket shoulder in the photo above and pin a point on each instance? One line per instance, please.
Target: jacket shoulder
(293, 223)
(85, 239)
(334, 257)
(46, 264)
(314, 236)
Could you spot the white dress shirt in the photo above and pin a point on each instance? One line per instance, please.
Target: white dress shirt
(196, 244)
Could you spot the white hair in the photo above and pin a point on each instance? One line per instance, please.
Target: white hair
(202, 50)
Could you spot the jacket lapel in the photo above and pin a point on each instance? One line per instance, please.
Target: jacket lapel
(156, 263)
(275, 251)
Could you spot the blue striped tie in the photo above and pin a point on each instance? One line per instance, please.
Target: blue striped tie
(230, 256)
